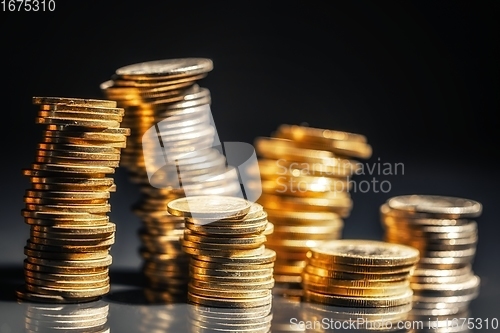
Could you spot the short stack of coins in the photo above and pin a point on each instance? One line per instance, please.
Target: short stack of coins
(442, 229)
(173, 135)
(231, 271)
(89, 317)
(305, 175)
(67, 205)
(359, 280)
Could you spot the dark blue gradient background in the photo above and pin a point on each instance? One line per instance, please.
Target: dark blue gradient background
(419, 78)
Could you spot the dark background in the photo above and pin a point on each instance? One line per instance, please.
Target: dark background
(419, 78)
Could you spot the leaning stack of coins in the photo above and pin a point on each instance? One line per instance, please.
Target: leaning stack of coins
(305, 183)
(360, 280)
(79, 318)
(67, 205)
(169, 153)
(442, 229)
(230, 266)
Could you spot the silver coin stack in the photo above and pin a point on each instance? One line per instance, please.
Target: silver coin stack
(78, 318)
(172, 152)
(442, 229)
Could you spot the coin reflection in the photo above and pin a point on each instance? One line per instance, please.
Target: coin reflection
(211, 319)
(79, 318)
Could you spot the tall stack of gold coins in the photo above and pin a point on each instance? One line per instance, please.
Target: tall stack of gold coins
(443, 230)
(362, 282)
(67, 205)
(170, 153)
(89, 317)
(305, 183)
(231, 271)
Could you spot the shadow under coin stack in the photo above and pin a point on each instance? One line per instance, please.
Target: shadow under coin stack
(360, 281)
(170, 153)
(305, 183)
(231, 271)
(76, 318)
(67, 205)
(442, 229)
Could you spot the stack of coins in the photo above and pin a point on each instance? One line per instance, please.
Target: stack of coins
(78, 318)
(67, 205)
(169, 153)
(305, 183)
(361, 279)
(230, 266)
(442, 229)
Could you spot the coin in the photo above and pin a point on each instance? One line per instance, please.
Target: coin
(73, 101)
(436, 205)
(365, 253)
(209, 207)
(388, 301)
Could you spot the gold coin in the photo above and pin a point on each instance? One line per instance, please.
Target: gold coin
(83, 109)
(271, 169)
(347, 282)
(318, 134)
(250, 242)
(94, 230)
(86, 264)
(354, 276)
(63, 249)
(78, 293)
(360, 269)
(229, 303)
(43, 298)
(225, 272)
(340, 204)
(74, 101)
(421, 205)
(389, 301)
(304, 218)
(217, 207)
(365, 253)
(78, 169)
(232, 279)
(229, 265)
(64, 269)
(229, 294)
(218, 252)
(66, 255)
(208, 229)
(355, 292)
(223, 247)
(66, 277)
(63, 285)
(78, 122)
(79, 148)
(268, 256)
(169, 68)
(71, 115)
(269, 284)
